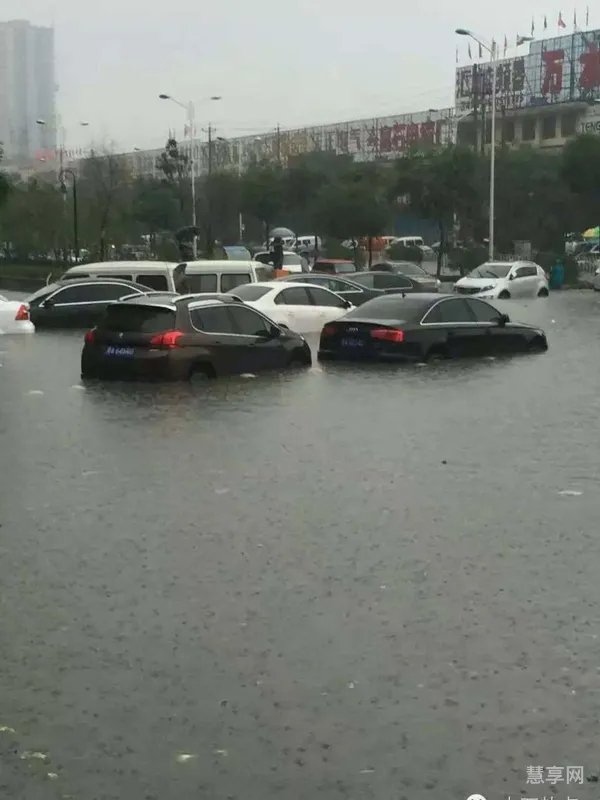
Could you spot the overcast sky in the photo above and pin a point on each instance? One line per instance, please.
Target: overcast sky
(307, 62)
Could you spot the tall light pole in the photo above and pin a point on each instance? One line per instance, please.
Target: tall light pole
(63, 173)
(191, 114)
(493, 51)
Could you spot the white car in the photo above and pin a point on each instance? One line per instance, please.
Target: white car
(504, 279)
(303, 307)
(14, 317)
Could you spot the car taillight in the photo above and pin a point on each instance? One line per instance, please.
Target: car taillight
(166, 339)
(22, 314)
(387, 334)
(329, 330)
(90, 337)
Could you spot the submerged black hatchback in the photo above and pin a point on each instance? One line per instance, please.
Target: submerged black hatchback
(170, 337)
(418, 327)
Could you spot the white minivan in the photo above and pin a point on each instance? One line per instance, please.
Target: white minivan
(157, 275)
(208, 277)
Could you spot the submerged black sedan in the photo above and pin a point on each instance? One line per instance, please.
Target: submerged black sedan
(418, 327)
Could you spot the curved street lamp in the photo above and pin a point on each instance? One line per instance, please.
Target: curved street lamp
(190, 109)
(493, 51)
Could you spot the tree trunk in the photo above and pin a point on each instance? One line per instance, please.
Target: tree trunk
(442, 250)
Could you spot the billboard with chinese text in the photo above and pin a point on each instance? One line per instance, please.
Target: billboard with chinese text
(565, 69)
(365, 140)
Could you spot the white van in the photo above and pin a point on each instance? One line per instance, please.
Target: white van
(308, 243)
(157, 275)
(410, 241)
(208, 277)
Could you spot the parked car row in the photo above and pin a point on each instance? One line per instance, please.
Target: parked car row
(177, 337)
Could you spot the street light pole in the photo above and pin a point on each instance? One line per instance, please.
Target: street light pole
(61, 178)
(493, 51)
(191, 115)
(494, 55)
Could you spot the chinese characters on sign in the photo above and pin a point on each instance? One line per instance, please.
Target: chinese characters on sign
(365, 140)
(561, 70)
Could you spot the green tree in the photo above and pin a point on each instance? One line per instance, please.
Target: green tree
(155, 208)
(441, 185)
(263, 193)
(175, 168)
(33, 220)
(219, 205)
(105, 192)
(356, 204)
(580, 170)
(533, 203)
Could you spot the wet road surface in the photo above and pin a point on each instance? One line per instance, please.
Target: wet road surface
(347, 582)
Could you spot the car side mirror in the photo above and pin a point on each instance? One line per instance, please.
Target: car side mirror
(272, 333)
(284, 326)
(49, 303)
(503, 319)
(347, 304)
(511, 277)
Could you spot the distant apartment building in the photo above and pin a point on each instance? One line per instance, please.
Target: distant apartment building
(27, 90)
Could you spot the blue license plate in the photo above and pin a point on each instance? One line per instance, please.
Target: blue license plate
(352, 343)
(119, 351)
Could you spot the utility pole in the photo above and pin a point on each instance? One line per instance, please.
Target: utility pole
(191, 123)
(475, 91)
(209, 226)
(278, 145)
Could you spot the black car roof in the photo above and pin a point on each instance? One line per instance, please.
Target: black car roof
(64, 281)
(409, 307)
(305, 276)
(380, 272)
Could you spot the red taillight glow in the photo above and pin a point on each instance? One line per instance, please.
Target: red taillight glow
(90, 337)
(388, 335)
(328, 330)
(22, 314)
(166, 339)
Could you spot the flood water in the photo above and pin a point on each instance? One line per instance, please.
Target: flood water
(346, 582)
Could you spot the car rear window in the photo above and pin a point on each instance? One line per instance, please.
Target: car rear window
(138, 319)
(249, 291)
(393, 306)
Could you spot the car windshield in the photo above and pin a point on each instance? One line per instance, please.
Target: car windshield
(249, 291)
(408, 268)
(125, 318)
(491, 270)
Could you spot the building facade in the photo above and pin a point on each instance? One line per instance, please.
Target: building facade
(542, 98)
(27, 90)
(365, 140)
